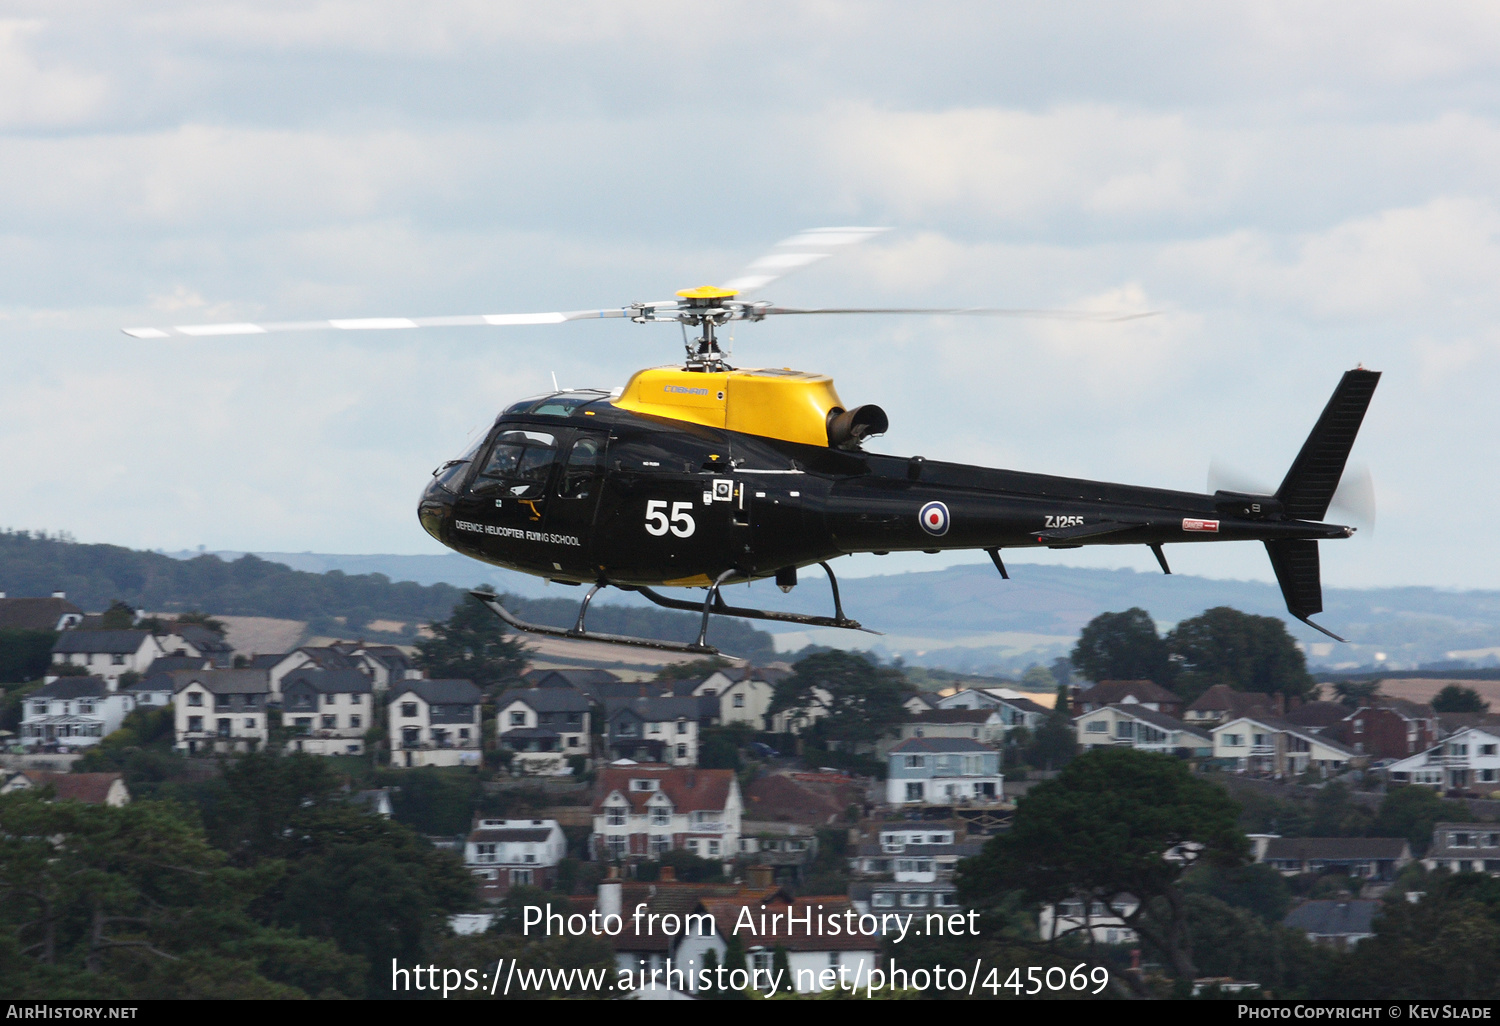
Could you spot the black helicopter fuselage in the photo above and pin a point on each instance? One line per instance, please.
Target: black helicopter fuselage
(574, 489)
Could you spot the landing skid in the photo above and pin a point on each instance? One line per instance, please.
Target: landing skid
(714, 603)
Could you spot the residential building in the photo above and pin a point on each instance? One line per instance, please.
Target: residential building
(818, 960)
(108, 654)
(787, 850)
(799, 718)
(39, 614)
(1367, 858)
(386, 665)
(1338, 923)
(434, 723)
(1388, 728)
(811, 799)
(924, 852)
(543, 727)
(331, 710)
(1081, 915)
(1266, 746)
(1318, 717)
(74, 712)
(587, 681)
(221, 710)
(743, 692)
(661, 730)
(1143, 728)
(650, 948)
(918, 702)
(943, 770)
(1222, 702)
(88, 788)
(1467, 760)
(506, 853)
(1465, 848)
(197, 641)
(641, 811)
(983, 725)
(878, 896)
(168, 663)
(156, 689)
(1127, 692)
(1015, 709)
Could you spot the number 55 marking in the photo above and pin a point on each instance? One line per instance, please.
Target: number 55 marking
(680, 523)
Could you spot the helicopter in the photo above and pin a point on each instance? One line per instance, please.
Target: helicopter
(702, 474)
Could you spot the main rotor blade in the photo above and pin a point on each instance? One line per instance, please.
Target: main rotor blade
(977, 311)
(798, 252)
(377, 323)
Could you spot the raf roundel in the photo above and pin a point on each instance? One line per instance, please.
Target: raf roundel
(934, 518)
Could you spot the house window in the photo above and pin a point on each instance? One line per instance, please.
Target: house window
(614, 816)
(573, 742)
(354, 721)
(682, 726)
(194, 698)
(917, 732)
(692, 845)
(195, 724)
(520, 877)
(484, 853)
(915, 761)
(1458, 841)
(914, 792)
(330, 722)
(1487, 749)
(1097, 726)
(330, 699)
(616, 845)
(85, 708)
(408, 708)
(40, 708)
(944, 899)
(518, 719)
(761, 961)
(833, 960)
(1234, 740)
(914, 899)
(661, 816)
(249, 722)
(463, 733)
(660, 843)
(644, 785)
(713, 848)
(739, 701)
(117, 659)
(682, 751)
(883, 899)
(304, 722)
(224, 728)
(1125, 729)
(356, 699)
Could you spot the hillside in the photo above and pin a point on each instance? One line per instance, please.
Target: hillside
(331, 603)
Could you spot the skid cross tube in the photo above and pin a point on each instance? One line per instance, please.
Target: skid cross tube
(715, 603)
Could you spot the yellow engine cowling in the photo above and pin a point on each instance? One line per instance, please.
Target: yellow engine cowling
(786, 404)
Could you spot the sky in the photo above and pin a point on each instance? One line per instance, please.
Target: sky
(1297, 188)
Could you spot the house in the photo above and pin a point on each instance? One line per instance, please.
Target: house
(924, 852)
(743, 692)
(1091, 916)
(434, 723)
(1015, 709)
(818, 959)
(811, 799)
(1340, 923)
(386, 665)
(73, 711)
(315, 657)
(787, 850)
(1367, 858)
(919, 702)
(506, 853)
(880, 896)
(196, 640)
(39, 614)
(1468, 760)
(543, 727)
(331, 710)
(88, 788)
(1465, 848)
(1267, 746)
(648, 949)
(796, 719)
(653, 730)
(943, 770)
(1143, 728)
(108, 654)
(641, 811)
(983, 725)
(583, 680)
(1126, 692)
(156, 689)
(1388, 728)
(1318, 717)
(168, 663)
(221, 710)
(1222, 702)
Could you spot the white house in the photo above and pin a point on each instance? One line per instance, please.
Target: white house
(644, 810)
(543, 727)
(1137, 726)
(108, 654)
(506, 853)
(1265, 745)
(943, 770)
(818, 959)
(985, 724)
(330, 709)
(1082, 917)
(221, 710)
(434, 723)
(73, 711)
(1015, 709)
(744, 693)
(39, 614)
(196, 640)
(1467, 760)
(796, 720)
(1465, 848)
(654, 729)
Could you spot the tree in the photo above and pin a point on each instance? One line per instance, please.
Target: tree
(1122, 646)
(1456, 699)
(1038, 678)
(118, 617)
(202, 619)
(695, 669)
(1354, 692)
(471, 645)
(1055, 740)
(1411, 811)
(1246, 652)
(863, 701)
(1256, 888)
(1112, 827)
(25, 655)
(1444, 947)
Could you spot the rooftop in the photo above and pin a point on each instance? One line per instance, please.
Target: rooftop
(124, 642)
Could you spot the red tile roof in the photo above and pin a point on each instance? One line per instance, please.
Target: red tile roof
(690, 789)
(89, 788)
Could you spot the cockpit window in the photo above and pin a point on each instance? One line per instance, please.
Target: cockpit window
(518, 465)
(583, 462)
(450, 475)
(560, 404)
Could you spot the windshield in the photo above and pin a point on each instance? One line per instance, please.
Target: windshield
(449, 476)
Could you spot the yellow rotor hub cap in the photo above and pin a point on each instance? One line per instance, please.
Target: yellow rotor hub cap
(707, 292)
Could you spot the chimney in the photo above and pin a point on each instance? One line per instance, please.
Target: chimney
(759, 878)
(609, 898)
(60, 594)
(1278, 703)
(668, 874)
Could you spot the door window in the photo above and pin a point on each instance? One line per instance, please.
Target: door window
(582, 465)
(518, 465)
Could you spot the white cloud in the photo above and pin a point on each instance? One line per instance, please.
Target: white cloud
(33, 95)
